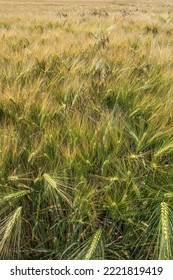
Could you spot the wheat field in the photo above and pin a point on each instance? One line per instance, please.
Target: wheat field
(86, 129)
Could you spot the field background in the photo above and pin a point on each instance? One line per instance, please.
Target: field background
(36, 8)
(86, 129)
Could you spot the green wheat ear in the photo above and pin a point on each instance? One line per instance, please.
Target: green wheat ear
(10, 233)
(11, 197)
(94, 244)
(56, 189)
(165, 248)
(164, 220)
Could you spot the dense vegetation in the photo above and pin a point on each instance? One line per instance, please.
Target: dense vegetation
(86, 135)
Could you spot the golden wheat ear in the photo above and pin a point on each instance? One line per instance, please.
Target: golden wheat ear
(10, 234)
